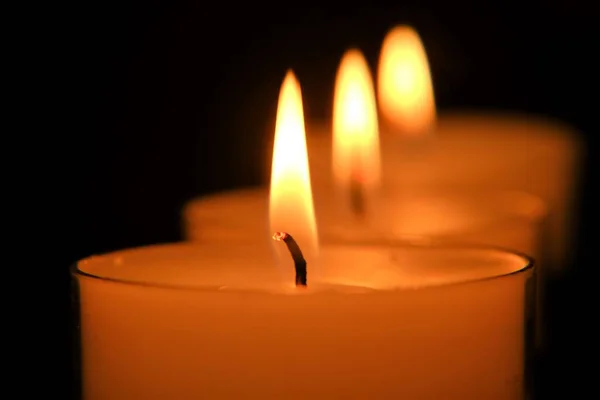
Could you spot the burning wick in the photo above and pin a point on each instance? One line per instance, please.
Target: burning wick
(357, 190)
(299, 261)
(357, 198)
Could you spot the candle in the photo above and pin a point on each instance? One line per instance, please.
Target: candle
(511, 151)
(183, 321)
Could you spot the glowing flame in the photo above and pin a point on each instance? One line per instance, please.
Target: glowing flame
(355, 127)
(290, 203)
(405, 91)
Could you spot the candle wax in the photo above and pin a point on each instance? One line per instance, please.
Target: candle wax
(191, 321)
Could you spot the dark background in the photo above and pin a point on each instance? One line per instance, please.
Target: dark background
(177, 99)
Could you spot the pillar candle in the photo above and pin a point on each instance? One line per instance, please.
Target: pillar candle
(220, 321)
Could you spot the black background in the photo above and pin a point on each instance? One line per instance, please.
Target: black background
(177, 99)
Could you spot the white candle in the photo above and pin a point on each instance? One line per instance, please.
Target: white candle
(215, 321)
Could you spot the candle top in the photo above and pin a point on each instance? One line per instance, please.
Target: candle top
(341, 268)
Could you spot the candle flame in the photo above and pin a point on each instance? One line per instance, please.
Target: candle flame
(290, 203)
(355, 127)
(404, 87)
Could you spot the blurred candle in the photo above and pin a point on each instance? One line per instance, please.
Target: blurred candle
(495, 150)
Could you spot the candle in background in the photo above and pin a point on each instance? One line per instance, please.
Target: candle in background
(502, 150)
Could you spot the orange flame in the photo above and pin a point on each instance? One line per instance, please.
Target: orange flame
(404, 87)
(290, 203)
(355, 128)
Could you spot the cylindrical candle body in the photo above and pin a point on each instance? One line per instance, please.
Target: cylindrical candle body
(150, 330)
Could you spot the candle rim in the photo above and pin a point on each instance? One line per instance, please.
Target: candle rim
(527, 263)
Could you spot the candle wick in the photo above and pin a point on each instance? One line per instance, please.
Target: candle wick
(357, 188)
(297, 256)
(357, 198)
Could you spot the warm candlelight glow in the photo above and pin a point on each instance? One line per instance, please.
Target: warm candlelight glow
(290, 204)
(405, 91)
(355, 127)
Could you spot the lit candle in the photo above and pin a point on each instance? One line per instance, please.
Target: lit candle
(510, 151)
(228, 321)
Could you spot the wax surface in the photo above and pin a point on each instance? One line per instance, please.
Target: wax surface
(175, 334)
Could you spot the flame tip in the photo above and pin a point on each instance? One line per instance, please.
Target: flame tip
(354, 55)
(402, 28)
(354, 50)
(290, 76)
